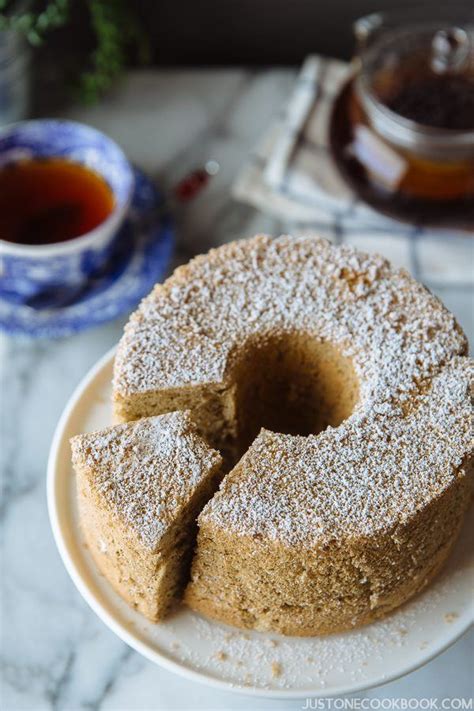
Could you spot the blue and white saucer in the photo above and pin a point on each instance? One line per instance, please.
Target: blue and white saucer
(141, 259)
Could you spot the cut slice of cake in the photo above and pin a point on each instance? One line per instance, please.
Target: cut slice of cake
(140, 487)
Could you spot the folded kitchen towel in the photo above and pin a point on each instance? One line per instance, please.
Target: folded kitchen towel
(292, 173)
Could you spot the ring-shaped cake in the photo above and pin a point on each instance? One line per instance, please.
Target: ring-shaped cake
(338, 390)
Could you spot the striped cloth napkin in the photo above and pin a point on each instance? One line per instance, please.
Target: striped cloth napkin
(291, 175)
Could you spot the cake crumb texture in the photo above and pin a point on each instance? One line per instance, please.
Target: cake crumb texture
(140, 488)
(338, 391)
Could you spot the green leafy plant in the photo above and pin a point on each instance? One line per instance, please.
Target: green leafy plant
(33, 25)
(114, 26)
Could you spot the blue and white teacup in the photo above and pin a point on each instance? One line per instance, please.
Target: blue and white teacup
(47, 275)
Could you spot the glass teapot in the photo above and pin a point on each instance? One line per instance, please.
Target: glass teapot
(403, 127)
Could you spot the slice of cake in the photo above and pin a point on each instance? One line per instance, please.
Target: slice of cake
(140, 488)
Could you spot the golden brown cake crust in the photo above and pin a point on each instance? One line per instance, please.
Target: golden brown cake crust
(140, 487)
(322, 532)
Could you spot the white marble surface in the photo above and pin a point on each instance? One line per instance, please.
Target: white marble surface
(55, 653)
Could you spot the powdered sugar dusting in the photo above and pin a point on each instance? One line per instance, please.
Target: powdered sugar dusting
(187, 329)
(373, 471)
(146, 470)
(410, 431)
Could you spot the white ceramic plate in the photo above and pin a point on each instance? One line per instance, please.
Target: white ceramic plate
(254, 663)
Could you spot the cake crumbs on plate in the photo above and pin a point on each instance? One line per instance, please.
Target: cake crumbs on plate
(277, 670)
(451, 617)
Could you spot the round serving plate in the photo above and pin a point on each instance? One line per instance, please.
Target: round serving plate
(260, 664)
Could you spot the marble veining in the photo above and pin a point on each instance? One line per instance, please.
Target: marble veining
(55, 653)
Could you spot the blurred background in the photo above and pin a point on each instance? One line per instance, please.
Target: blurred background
(258, 32)
(86, 42)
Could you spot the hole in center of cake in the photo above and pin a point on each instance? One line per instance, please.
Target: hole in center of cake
(292, 384)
